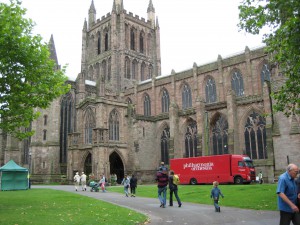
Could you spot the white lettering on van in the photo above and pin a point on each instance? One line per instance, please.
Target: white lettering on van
(198, 166)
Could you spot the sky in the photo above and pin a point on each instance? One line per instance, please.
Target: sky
(192, 31)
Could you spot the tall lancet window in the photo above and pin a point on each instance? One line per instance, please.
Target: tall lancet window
(164, 145)
(132, 39)
(90, 124)
(114, 125)
(67, 118)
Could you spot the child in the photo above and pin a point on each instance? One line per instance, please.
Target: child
(215, 194)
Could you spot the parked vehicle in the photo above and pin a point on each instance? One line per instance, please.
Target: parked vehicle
(226, 168)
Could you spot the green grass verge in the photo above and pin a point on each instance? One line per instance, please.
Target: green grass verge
(253, 196)
(48, 207)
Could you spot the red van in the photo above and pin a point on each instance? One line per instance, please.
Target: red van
(227, 168)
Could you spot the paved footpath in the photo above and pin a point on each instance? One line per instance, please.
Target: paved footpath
(188, 214)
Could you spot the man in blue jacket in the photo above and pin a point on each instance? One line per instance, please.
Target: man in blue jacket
(287, 196)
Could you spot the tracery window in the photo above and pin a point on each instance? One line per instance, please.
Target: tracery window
(191, 140)
(219, 136)
(237, 83)
(186, 97)
(164, 145)
(255, 137)
(147, 105)
(210, 90)
(165, 101)
(114, 125)
(90, 123)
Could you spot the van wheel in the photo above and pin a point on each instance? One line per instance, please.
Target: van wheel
(193, 181)
(238, 180)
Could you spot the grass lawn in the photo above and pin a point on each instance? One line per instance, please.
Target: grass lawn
(51, 207)
(48, 207)
(253, 196)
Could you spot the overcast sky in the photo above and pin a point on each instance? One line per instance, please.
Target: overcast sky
(191, 30)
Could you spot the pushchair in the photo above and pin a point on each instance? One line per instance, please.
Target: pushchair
(94, 186)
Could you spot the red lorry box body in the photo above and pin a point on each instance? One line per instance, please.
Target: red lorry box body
(207, 169)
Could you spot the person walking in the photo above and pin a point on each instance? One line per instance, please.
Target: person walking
(133, 185)
(215, 194)
(173, 186)
(260, 177)
(102, 183)
(162, 183)
(77, 181)
(126, 183)
(287, 196)
(83, 181)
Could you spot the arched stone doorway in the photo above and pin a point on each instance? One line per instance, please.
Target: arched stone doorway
(116, 166)
(88, 164)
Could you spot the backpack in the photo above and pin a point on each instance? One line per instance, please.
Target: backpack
(176, 179)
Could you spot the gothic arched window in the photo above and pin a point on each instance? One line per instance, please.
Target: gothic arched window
(256, 137)
(191, 140)
(143, 67)
(147, 105)
(109, 70)
(150, 72)
(142, 43)
(67, 118)
(186, 97)
(114, 125)
(127, 68)
(265, 74)
(90, 123)
(132, 39)
(104, 70)
(219, 136)
(210, 90)
(165, 101)
(134, 69)
(44, 135)
(237, 83)
(99, 43)
(106, 42)
(164, 145)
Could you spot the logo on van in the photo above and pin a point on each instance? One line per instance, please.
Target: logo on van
(199, 166)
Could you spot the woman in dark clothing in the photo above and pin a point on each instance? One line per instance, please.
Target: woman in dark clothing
(173, 189)
(133, 185)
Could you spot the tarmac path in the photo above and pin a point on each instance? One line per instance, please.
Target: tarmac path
(188, 214)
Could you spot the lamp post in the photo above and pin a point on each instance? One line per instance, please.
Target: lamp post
(29, 168)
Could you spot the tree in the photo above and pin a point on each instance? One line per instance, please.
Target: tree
(282, 17)
(28, 78)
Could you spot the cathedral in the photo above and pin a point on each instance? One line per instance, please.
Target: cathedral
(122, 116)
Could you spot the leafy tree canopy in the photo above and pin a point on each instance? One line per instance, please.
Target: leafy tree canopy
(28, 78)
(282, 18)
